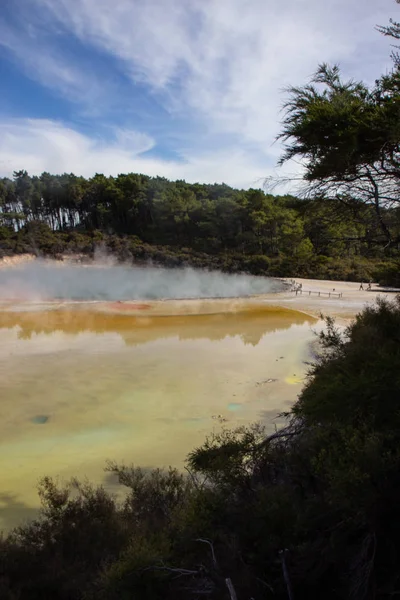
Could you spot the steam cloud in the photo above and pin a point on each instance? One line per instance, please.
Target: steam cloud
(42, 280)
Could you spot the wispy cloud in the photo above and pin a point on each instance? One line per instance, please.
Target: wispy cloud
(42, 145)
(217, 66)
(228, 60)
(42, 60)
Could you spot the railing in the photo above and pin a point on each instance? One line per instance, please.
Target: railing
(310, 292)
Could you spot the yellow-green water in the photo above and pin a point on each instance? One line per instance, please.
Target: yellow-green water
(79, 386)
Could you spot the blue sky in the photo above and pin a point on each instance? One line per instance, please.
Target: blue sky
(186, 89)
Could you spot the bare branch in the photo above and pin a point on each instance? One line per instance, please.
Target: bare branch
(180, 572)
(209, 543)
(231, 589)
(286, 575)
(284, 433)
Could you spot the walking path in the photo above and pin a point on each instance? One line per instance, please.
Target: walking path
(342, 299)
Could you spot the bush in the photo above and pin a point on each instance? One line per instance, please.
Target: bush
(387, 274)
(257, 265)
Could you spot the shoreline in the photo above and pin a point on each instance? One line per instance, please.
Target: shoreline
(346, 302)
(344, 308)
(352, 300)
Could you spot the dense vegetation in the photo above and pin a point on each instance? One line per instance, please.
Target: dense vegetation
(313, 508)
(176, 223)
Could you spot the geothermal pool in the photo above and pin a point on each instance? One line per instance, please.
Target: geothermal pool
(47, 279)
(136, 382)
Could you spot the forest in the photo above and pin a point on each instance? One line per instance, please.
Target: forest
(137, 217)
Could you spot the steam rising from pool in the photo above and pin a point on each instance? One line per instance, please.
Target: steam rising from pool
(42, 280)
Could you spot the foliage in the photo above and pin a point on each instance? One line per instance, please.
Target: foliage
(347, 136)
(140, 218)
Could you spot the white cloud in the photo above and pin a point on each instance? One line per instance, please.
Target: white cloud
(219, 64)
(39, 145)
(228, 60)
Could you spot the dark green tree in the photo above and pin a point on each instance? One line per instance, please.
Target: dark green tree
(348, 139)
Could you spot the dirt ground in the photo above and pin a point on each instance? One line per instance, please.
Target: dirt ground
(341, 299)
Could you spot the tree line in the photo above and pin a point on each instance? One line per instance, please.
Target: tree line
(203, 224)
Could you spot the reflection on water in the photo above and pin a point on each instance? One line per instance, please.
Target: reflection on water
(249, 325)
(80, 386)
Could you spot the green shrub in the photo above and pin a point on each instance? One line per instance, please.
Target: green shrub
(257, 265)
(387, 274)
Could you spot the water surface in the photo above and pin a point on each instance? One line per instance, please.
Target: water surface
(79, 386)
